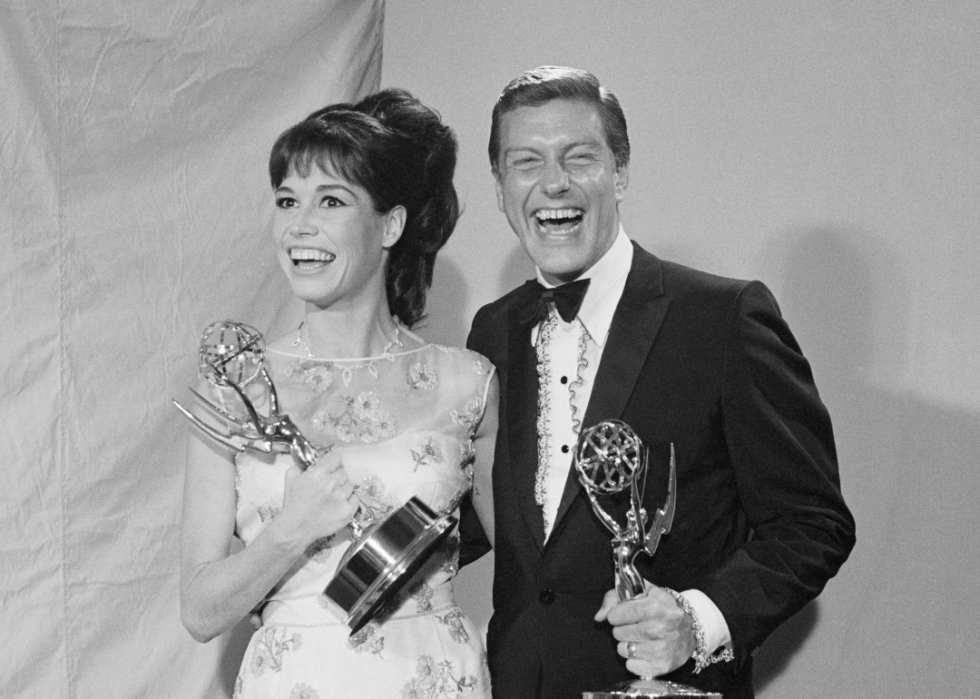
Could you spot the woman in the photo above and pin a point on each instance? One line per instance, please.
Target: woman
(364, 200)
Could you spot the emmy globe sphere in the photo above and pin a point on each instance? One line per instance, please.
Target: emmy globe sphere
(608, 457)
(231, 353)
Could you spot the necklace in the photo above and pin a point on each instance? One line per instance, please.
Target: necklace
(396, 341)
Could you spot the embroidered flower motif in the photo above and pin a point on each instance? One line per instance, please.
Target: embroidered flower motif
(373, 489)
(422, 594)
(345, 431)
(374, 504)
(237, 694)
(319, 377)
(436, 681)
(303, 691)
(366, 404)
(269, 650)
(422, 376)
(428, 452)
(481, 367)
(367, 640)
(361, 417)
(454, 620)
(383, 428)
(267, 512)
(470, 415)
(319, 550)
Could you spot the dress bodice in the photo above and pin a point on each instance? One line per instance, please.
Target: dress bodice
(403, 425)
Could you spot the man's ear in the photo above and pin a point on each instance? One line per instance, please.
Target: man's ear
(394, 226)
(500, 189)
(622, 180)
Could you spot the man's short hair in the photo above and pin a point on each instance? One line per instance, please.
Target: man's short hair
(546, 83)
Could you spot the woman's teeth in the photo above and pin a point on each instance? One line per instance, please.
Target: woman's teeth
(310, 256)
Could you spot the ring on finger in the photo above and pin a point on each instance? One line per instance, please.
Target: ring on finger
(631, 650)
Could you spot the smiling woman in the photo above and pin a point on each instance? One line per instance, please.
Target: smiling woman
(364, 200)
(330, 239)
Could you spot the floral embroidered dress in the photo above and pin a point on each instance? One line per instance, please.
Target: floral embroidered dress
(404, 425)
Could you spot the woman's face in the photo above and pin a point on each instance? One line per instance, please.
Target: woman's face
(329, 239)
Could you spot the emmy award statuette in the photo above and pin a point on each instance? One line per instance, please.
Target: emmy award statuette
(385, 553)
(610, 458)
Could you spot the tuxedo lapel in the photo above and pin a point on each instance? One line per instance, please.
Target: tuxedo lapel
(634, 328)
(522, 419)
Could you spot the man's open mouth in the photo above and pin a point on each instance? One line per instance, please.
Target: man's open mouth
(558, 220)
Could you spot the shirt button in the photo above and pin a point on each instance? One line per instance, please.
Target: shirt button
(564, 448)
(564, 379)
(546, 597)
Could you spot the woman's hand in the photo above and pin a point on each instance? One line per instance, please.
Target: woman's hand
(316, 502)
(219, 587)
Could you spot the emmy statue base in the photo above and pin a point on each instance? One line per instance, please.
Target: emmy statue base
(645, 688)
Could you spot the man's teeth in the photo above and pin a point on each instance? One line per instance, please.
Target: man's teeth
(311, 255)
(558, 216)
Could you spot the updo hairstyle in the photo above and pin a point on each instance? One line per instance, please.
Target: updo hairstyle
(401, 153)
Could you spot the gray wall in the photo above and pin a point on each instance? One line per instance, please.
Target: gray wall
(833, 151)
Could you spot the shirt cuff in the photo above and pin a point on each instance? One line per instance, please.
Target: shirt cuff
(716, 633)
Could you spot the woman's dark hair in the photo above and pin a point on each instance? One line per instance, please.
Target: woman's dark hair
(545, 83)
(401, 153)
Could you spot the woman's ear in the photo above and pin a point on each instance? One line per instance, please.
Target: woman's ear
(394, 226)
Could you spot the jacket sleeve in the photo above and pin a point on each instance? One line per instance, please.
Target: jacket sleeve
(781, 444)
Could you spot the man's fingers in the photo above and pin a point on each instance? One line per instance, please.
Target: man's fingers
(653, 605)
(629, 612)
(608, 602)
(646, 658)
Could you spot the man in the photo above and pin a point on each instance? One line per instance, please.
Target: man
(683, 357)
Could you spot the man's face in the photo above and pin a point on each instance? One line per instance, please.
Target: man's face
(559, 186)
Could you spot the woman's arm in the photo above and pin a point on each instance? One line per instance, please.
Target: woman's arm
(217, 588)
(484, 442)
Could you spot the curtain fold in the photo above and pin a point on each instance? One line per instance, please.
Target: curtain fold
(133, 207)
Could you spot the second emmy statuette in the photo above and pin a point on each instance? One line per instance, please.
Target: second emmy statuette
(610, 459)
(385, 553)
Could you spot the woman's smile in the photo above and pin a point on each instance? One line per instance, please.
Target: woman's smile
(310, 260)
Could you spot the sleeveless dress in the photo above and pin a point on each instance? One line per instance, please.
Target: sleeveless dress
(404, 425)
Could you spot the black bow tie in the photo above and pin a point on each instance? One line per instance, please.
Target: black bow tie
(567, 299)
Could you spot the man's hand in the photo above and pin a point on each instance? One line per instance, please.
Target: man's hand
(655, 635)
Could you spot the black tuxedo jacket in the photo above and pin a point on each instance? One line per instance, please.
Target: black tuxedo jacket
(707, 364)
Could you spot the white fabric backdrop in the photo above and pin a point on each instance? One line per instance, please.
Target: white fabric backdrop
(133, 202)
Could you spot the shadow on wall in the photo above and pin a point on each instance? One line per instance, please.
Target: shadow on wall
(448, 321)
(445, 322)
(517, 269)
(906, 468)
